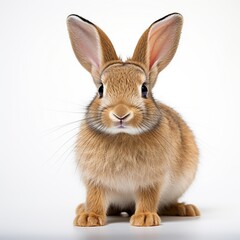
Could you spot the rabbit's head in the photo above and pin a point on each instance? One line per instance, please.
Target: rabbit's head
(124, 102)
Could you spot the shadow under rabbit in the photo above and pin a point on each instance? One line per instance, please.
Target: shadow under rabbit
(124, 218)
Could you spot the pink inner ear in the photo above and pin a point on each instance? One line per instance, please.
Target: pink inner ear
(86, 43)
(89, 45)
(160, 41)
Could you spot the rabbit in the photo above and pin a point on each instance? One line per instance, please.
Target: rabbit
(134, 154)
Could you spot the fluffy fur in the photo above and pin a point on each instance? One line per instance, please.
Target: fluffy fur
(135, 154)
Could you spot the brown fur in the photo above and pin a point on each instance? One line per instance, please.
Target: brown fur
(144, 171)
(93, 213)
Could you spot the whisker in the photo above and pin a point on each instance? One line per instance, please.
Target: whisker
(54, 129)
(65, 133)
(72, 147)
(62, 145)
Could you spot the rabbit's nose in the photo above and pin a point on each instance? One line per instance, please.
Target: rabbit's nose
(126, 117)
(122, 117)
(121, 113)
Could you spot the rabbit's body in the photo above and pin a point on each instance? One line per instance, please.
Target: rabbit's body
(124, 163)
(134, 154)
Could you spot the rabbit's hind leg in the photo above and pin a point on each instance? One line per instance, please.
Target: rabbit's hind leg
(180, 209)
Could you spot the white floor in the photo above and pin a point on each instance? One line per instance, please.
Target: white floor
(217, 223)
(212, 225)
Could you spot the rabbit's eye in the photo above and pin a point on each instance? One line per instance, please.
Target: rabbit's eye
(144, 91)
(100, 91)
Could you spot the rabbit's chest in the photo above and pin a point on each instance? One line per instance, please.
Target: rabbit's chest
(121, 171)
(122, 163)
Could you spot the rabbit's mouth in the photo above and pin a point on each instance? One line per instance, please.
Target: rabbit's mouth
(121, 124)
(123, 129)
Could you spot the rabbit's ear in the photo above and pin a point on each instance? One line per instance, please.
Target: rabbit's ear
(158, 44)
(90, 44)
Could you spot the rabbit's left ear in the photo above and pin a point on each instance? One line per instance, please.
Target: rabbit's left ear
(158, 44)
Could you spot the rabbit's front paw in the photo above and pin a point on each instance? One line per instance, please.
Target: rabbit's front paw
(89, 220)
(145, 219)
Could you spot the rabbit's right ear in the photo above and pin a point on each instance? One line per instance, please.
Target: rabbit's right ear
(90, 44)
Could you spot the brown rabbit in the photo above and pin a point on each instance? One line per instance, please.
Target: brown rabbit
(135, 155)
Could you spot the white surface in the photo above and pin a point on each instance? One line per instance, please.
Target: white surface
(42, 85)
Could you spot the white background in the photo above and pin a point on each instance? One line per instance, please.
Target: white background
(43, 88)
